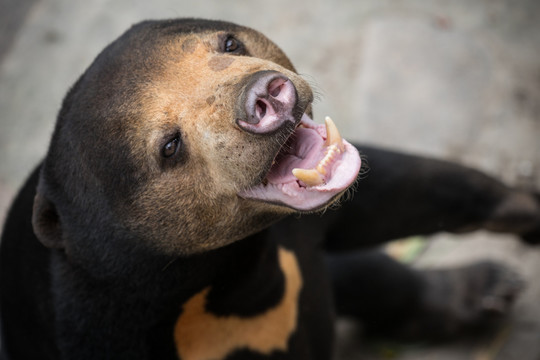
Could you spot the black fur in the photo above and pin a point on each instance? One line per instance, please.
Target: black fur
(106, 295)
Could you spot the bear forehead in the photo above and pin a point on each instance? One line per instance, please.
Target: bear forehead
(177, 56)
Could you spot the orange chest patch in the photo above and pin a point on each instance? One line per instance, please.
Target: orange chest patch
(200, 335)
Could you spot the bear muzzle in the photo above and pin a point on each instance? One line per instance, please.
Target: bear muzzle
(268, 102)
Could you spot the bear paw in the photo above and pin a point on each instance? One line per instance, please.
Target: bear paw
(461, 300)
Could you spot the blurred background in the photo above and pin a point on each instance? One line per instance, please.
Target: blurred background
(458, 80)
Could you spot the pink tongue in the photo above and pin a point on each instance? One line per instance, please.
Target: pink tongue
(307, 150)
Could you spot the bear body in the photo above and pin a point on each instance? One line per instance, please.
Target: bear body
(162, 222)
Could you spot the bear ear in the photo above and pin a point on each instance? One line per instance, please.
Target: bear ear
(46, 222)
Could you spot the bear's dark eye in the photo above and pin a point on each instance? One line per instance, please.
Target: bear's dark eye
(231, 44)
(171, 148)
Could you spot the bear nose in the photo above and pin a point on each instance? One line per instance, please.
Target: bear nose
(269, 99)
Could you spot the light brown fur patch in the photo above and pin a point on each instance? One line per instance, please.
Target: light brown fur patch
(219, 63)
(189, 45)
(200, 335)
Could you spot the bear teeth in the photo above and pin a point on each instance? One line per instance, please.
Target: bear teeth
(333, 137)
(310, 177)
(334, 146)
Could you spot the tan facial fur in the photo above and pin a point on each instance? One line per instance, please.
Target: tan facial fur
(195, 90)
(159, 82)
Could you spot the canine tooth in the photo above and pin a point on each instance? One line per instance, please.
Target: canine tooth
(333, 136)
(309, 177)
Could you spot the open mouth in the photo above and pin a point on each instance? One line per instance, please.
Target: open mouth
(313, 167)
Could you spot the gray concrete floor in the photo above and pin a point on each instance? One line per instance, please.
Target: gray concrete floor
(454, 79)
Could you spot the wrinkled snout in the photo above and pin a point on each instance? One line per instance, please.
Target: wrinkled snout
(268, 102)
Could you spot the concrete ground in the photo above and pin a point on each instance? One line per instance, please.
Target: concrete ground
(453, 79)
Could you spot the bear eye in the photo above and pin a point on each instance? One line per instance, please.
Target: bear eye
(171, 147)
(231, 44)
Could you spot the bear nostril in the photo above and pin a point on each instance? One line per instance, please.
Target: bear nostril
(267, 102)
(274, 88)
(260, 109)
(275, 93)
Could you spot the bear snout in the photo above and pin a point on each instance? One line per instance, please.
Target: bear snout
(268, 102)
